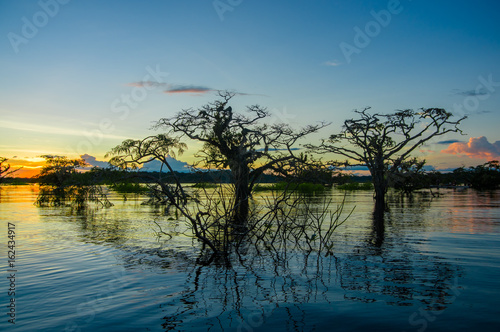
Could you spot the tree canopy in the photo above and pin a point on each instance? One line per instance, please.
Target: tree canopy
(62, 181)
(382, 142)
(232, 139)
(243, 143)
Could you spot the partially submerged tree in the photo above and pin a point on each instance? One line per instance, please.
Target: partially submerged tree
(382, 142)
(133, 153)
(221, 217)
(409, 176)
(245, 144)
(61, 183)
(5, 169)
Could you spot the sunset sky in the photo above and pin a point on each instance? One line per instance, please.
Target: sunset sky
(78, 77)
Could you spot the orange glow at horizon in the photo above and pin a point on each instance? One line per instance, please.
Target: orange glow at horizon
(26, 168)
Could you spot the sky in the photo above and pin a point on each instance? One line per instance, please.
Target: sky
(79, 77)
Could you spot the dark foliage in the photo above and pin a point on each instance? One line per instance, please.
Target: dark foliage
(62, 183)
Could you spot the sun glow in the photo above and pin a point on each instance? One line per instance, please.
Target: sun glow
(27, 167)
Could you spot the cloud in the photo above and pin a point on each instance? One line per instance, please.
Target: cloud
(426, 151)
(477, 147)
(483, 112)
(449, 141)
(28, 167)
(51, 129)
(91, 160)
(183, 88)
(148, 84)
(188, 89)
(172, 88)
(333, 63)
(249, 94)
(155, 165)
(198, 89)
(471, 93)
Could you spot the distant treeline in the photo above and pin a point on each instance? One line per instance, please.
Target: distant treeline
(111, 176)
(486, 176)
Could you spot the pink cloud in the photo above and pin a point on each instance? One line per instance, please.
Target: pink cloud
(426, 151)
(477, 147)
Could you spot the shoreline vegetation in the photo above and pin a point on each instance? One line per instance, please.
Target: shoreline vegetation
(136, 182)
(303, 187)
(478, 177)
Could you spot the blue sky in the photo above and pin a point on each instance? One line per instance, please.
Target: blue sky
(71, 71)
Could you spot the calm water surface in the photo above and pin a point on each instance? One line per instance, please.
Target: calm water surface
(434, 266)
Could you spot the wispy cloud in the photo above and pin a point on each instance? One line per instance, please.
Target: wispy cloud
(333, 63)
(188, 89)
(249, 94)
(27, 167)
(170, 88)
(28, 162)
(426, 151)
(49, 129)
(470, 93)
(476, 147)
(483, 112)
(37, 152)
(148, 84)
(448, 141)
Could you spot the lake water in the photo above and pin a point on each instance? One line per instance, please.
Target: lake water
(434, 266)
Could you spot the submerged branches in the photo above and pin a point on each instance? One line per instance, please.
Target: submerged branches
(279, 223)
(62, 183)
(291, 221)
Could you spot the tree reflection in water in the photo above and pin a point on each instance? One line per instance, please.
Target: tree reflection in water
(393, 270)
(259, 288)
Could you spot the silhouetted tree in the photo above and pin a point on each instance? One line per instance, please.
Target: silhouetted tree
(382, 142)
(249, 147)
(61, 182)
(133, 153)
(409, 176)
(245, 144)
(486, 176)
(5, 169)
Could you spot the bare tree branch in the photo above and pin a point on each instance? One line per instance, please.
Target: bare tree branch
(382, 142)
